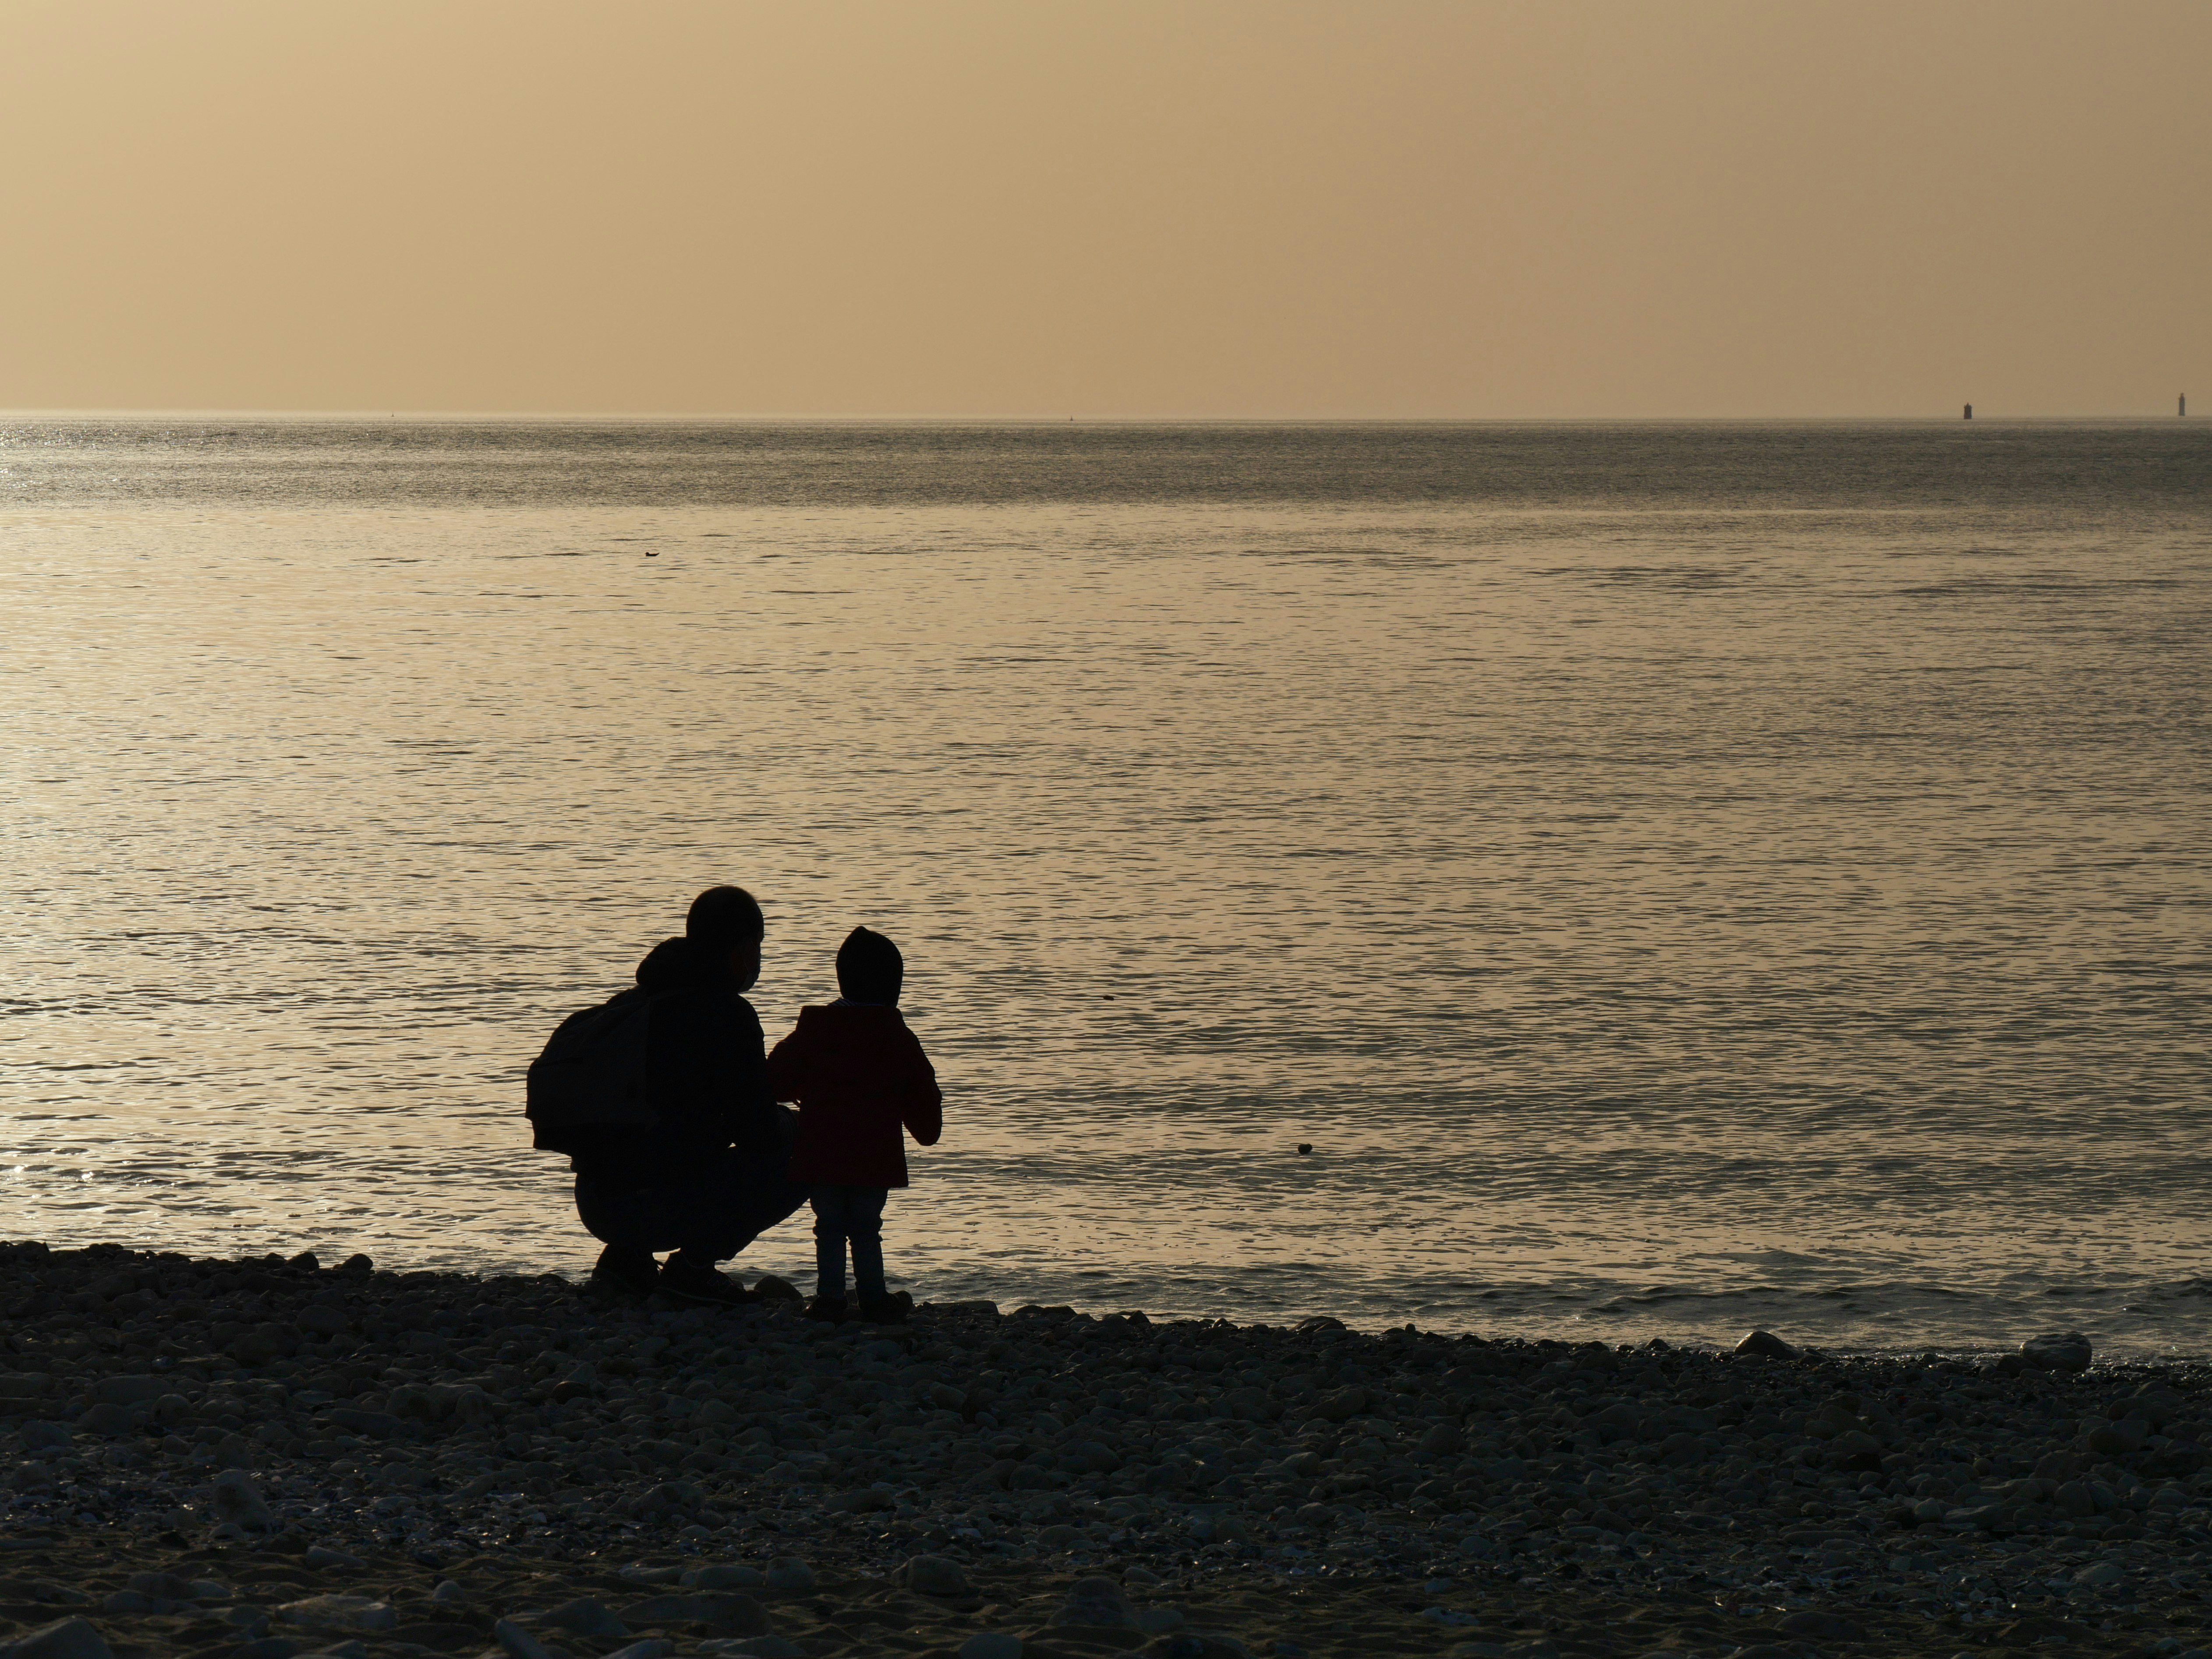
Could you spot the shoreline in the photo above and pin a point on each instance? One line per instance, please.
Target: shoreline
(281, 1432)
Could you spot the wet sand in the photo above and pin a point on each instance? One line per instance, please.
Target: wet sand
(268, 1457)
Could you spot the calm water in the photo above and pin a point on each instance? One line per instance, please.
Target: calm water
(1676, 876)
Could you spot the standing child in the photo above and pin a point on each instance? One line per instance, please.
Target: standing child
(858, 1075)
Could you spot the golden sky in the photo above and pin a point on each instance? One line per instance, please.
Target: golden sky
(1670, 207)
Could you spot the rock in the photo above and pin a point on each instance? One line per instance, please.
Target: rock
(322, 1556)
(1211, 1645)
(263, 1344)
(380, 1426)
(163, 1586)
(518, 1643)
(2119, 1439)
(1341, 1405)
(757, 1647)
(739, 1614)
(1822, 1627)
(654, 1647)
(585, 1617)
(65, 1638)
(1217, 1529)
(2074, 1499)
(449, 1594)
(991, 1644)
(238, 1502)
(776, 1289)
(1619, 1421)
(107, 1420)
(1854, 1449)
(18, 1386)
(725, 1577)
(933, 1575)
(2067, 1351)
(1159, 1621)
(340, 1612)
(128, 1390)
(1099, 1603)
(234, 1452)
(38, 1434)
(1444, 1440)
(2100, 1575)
(1766, 1346)
(790, 1575)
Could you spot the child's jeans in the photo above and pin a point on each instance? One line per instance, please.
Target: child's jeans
(843, 1212)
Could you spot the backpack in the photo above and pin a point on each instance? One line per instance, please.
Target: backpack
(592, 1073)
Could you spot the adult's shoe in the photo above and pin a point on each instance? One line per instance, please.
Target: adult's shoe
(697, 1281)
(882, 1311)
(634, 1273)
(831, 1310)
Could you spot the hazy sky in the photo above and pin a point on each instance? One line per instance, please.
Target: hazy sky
(1123, 207)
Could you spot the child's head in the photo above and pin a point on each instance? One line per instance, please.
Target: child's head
(869, 968)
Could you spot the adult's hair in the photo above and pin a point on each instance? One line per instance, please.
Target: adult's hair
(726, 918)
(869, 966)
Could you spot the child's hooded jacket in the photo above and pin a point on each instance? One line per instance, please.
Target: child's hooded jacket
(859, 1075)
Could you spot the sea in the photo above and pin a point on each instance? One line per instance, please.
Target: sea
(1572, 880)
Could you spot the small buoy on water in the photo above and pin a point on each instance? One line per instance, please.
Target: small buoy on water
(1305, 1146)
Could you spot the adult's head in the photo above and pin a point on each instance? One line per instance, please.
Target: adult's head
(870, 968)
(728, 921)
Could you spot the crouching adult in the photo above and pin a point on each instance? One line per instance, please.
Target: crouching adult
(708, 1176)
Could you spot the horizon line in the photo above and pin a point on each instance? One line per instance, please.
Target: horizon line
(1063, 418)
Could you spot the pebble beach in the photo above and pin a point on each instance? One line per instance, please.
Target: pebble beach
(272, 1458)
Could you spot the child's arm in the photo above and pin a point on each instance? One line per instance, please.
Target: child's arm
(923, 1112)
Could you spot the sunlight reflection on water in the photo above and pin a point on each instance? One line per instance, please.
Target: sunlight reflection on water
(1721, 902)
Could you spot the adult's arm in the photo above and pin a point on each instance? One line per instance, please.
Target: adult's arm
(710, 1074)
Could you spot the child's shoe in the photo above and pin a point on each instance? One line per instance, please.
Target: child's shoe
(829, 1311)
(882, 1311)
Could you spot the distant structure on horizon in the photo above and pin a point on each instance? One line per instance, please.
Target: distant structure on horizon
(1969, 415)
(2183, 411)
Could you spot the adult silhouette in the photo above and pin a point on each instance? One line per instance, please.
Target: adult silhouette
(705, 1173)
